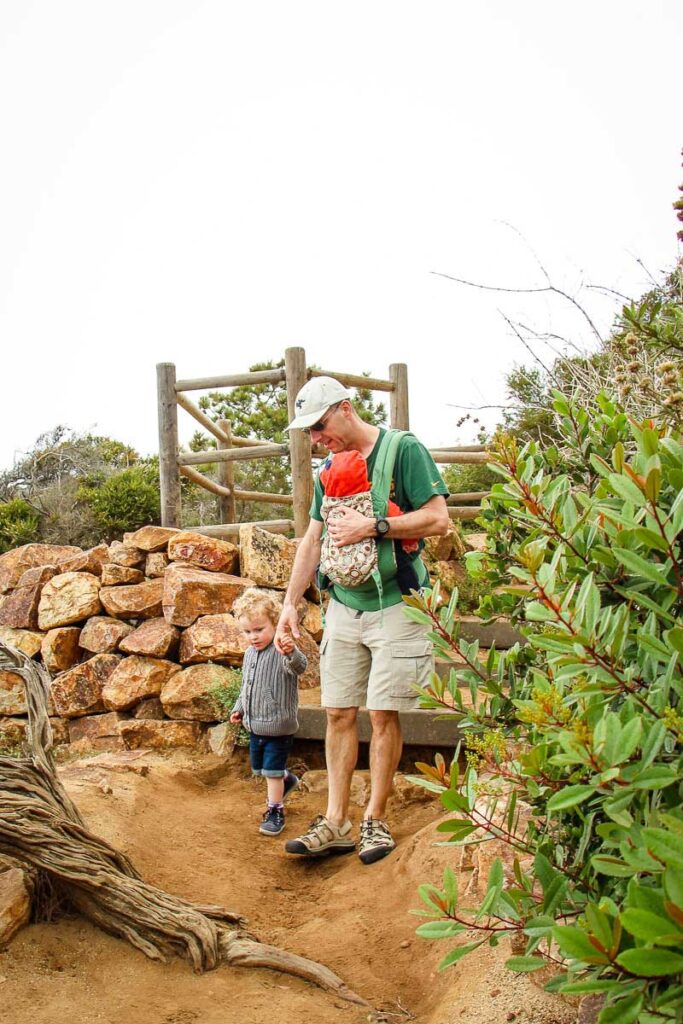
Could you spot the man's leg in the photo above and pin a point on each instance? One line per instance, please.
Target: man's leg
(341, 755)
(385, 753)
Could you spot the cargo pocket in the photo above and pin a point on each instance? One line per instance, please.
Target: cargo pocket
(411, 665)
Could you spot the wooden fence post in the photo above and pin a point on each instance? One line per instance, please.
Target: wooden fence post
(226, 477)
(169, 474)
(398, 403)
(299, 443)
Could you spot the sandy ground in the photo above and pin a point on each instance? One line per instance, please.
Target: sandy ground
(194, 831)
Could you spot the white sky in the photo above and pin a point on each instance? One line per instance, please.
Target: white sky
(206, 183)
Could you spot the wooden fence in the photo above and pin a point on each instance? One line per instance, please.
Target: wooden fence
(230, 448)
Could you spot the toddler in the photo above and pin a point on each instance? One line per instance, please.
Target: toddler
(268, 701)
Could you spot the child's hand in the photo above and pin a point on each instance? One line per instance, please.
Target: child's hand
(287, 643)
(236, 717)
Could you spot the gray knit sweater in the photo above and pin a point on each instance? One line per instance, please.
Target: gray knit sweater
(269, 698)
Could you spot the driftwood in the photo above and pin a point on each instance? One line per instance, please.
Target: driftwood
(41, 827)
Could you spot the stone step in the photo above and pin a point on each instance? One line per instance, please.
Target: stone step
(424, 728)
(502, 633)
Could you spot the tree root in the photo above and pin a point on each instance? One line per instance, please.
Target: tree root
(41, 827)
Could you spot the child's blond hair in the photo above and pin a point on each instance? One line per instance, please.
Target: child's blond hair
(257, 602)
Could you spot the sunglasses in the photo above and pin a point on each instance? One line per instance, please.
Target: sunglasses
(322, 423)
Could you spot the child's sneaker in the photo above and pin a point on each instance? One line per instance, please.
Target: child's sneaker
(291, 783)
(273, 822)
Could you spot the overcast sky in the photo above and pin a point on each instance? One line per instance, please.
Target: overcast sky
(207, 183)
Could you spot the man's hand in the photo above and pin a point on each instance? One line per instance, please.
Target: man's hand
(287, 628)
(236, 717)
(349, 526)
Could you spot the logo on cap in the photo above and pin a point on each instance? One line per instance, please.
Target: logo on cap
(299, 402)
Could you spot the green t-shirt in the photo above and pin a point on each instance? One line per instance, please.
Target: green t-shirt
(416, 479)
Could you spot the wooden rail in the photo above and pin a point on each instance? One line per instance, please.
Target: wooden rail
(355, 380)
(232, 454)
(460, 458)
(231, 381)
(233, 529)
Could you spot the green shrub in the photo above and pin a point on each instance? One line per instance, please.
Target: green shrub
(19, 524)
(573, 743)
(124, 501)
(223, 697)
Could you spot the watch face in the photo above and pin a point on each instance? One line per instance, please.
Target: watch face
(382, 526)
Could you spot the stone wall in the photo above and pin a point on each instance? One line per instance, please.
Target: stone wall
(136, 634)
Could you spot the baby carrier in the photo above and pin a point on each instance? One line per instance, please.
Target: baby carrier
(354, 564)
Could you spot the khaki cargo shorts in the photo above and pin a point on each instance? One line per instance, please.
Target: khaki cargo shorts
(367, 661)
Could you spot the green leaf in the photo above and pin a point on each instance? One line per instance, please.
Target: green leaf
(625, 488)
(537, 927)
(439, 929)
(665, 846)
(582, 988)
(575, 943)
(625, 1011)
(568, 797)
(612, 866)
(457, 954)
(651, 963)
(647, 926)
(525, 964)
(652, 742)
(674, 637)
(637, 566)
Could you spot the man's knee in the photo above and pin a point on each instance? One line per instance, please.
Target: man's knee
(385, 722)
(341, 719)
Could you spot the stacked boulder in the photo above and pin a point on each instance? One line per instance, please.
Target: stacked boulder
(138, 634)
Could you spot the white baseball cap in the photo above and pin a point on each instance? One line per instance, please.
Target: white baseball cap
(315, 398)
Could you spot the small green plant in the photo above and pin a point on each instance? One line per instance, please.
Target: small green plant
(223, 697)
(574, 741)
(19, 524)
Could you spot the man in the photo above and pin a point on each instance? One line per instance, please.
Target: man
(371, 653)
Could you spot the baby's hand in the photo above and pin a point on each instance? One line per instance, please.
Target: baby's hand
(287, 643)
(236, 717)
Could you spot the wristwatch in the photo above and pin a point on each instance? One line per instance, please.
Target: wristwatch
(381, 526)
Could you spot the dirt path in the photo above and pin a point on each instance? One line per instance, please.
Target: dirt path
(195, 833)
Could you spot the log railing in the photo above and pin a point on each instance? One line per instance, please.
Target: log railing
(230, 448)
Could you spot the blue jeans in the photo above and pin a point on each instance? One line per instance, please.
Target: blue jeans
(268, 755)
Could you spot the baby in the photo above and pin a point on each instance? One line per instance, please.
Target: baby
(268, 701)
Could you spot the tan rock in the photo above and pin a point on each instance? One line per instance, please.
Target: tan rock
(78, 691)
(134, 679)
(122, 554)
(60, 730)
(59, 649)
(450, 574)
(39, 576)
(94, 727)
(203, 552)
(12, 732)
(26, 640)
(221, 739)
(15, 903)
(189, 593)
(156, 564)
(68, 598)
(153, 538)
(90, 561)
(160, 735)
(12, 694)
(102, 634)
(307, 644)
(149, 708)
(138, 601)
(188, 693)
(266, 558)
(213, 638)
(155, 638)
(114, 575)
(316, 781)
(20, 608)
(14, 563)
(476, 541)
(313, 621)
